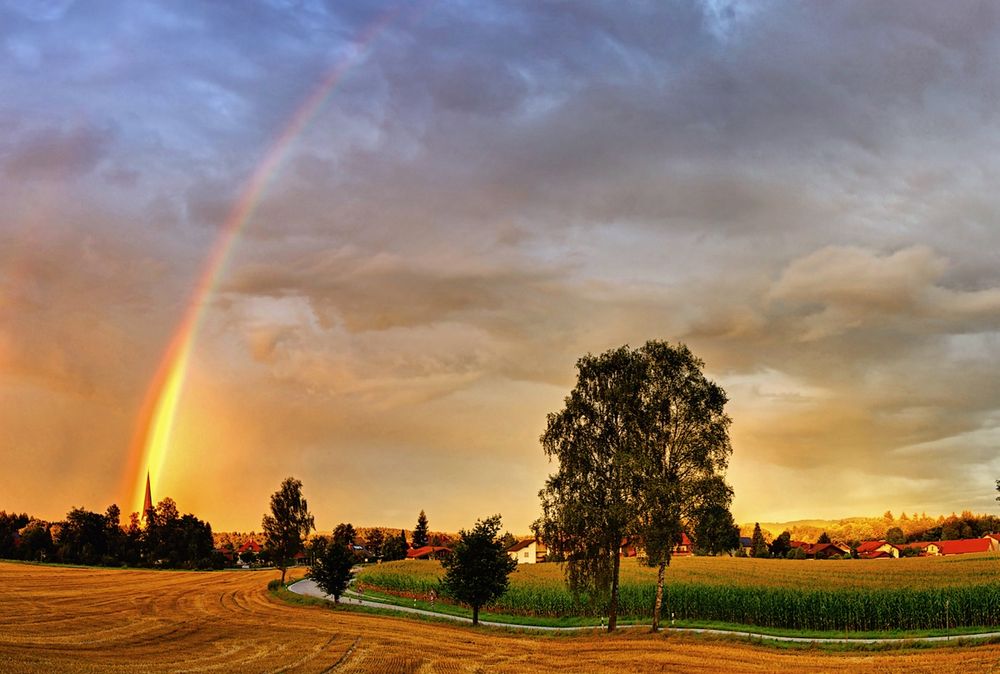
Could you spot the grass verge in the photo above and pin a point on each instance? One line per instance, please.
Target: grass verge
(908, 641)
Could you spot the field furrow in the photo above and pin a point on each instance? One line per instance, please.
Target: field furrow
(124, 621)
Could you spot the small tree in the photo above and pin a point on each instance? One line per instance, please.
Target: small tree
(782, 544)
(895, 536)
(715, 531)
(316, 547)
(476, 571)
(757, 543)
(823, 538)
(374, 542)
(332, 570)
(395, 547)
(345, 535)
(508, 539)
(420, 532)
(288, 525)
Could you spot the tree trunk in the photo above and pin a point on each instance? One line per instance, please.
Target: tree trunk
(475, 615)
(613, 609)
(659, 596)
(283, 569)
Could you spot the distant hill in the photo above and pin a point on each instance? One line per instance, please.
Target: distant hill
(863, 528)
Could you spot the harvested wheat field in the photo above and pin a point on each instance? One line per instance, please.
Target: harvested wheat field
(97, 620)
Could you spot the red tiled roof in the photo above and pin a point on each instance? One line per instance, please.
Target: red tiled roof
(874, 554)
(425, 551)
(817, 548)
(520, 545)
(871, 546)
(964, 546)
(251, 545)
(684, 539)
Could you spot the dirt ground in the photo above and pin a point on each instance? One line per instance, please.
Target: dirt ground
(93, 620)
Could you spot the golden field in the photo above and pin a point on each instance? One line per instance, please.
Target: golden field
(930, 593)
(911, 573)
(56, 619)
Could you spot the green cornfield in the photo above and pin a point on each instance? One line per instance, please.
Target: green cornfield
(851, 595)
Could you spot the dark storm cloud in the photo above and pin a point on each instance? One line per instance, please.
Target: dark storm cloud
(56, 153)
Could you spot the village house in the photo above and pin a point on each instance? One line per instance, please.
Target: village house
(428, 552)
(820, 550)
(877, 550)
(968, 545)
(528, 551)
(684, 547)
(251, 546)
(924, 548)
(828, 550)
(632, 547)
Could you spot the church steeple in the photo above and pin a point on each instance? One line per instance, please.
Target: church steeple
(147, 505)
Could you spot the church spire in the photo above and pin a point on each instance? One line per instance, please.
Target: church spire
(147, 505)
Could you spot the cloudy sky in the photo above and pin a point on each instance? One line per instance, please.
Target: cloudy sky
(804, 193)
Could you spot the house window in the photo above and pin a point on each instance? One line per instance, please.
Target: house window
(525, 554)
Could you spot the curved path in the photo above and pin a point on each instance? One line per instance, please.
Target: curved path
(309, 588)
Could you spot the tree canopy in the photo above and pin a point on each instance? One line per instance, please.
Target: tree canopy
(331, 570)
(641, 442)
(758, 544)
(395, 547)
(477, 571)
(288, 525)
(420, 532)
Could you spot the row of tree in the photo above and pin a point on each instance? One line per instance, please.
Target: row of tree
(904, 528)
(476, 572)
(165, 539)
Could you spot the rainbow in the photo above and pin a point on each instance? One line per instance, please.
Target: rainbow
(151, 441)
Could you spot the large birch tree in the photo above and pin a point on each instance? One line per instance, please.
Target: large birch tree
(642, 443)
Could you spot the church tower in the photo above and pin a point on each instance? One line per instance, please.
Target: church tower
(147, 504)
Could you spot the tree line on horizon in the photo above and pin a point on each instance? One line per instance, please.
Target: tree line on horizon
(476, 570)
(166, 539)
(897, 530)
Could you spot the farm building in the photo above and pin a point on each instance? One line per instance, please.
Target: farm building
(632, 547)
(746, 544)
(528, 551)
(924, 548)
(821, 550)
(827, 550)
(965, 546)
(877, 550)
(428, 552)
(684, 547)
(250, 546)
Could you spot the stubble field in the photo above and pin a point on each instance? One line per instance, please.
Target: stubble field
(94, 620)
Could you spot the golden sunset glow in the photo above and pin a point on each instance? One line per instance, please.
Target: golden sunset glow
(366, 248)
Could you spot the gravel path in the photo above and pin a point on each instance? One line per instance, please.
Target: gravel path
(309, 588)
